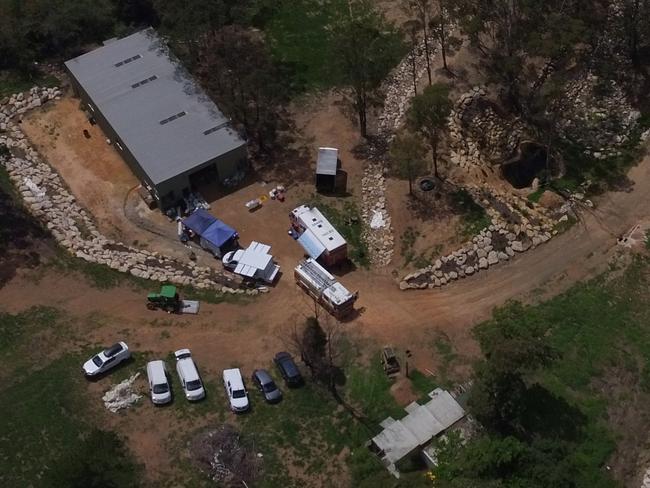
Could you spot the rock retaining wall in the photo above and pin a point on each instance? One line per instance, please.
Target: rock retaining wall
(399, 90)
(478, 136)
(48, 199)
(517, 226)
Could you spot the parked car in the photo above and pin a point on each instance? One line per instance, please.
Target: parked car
(159, 388)
(107, 359)
(265, 384)
(189, 375)
(288, 369)
(235, 389)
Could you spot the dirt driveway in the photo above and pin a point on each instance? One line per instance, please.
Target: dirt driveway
(247, 334)
(386, 314)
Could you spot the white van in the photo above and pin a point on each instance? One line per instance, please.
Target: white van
(189, 375)
(235, 390)
(159, 388)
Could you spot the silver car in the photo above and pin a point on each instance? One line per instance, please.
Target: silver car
(265, 384)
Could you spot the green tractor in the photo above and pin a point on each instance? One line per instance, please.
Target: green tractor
(167, 300)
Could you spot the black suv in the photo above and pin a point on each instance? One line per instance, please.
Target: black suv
(288, 369)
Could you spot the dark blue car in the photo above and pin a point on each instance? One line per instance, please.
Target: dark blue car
(288, 369)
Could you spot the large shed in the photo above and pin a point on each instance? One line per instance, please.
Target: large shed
(422, 424)
(172, 136)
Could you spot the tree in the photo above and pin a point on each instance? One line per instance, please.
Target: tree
(411, 29)
(318, 342)
(422, 11)
(364, 50)
(440, 25)
(407, 157)
(636, 29)
(31, 30)
(187, 21)
(512, 351)
(428, 115)
(522, 44)
(236, 68)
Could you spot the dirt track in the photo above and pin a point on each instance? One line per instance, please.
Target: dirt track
(248, 334)
(406, 319)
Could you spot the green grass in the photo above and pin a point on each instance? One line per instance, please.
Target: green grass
(212, 296)
(13, 82)
(346, 218)
(536, 195)
(600, 330)
(306, 428)
(98, 275)
(22, 326)
(422, 385)
(647, 240)
(43, 432)
(473, 216)
(407, 241)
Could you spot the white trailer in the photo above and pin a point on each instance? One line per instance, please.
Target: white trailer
(324, 288)
(254, 262)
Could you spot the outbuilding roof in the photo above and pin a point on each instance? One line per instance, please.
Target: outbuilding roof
(423, 423)
(158, 111)
(327, 161)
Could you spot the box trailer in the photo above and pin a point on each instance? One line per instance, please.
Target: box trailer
(324, 288)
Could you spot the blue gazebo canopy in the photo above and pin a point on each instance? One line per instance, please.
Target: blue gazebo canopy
(209, 228)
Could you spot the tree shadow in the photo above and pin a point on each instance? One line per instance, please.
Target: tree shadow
(544, 414)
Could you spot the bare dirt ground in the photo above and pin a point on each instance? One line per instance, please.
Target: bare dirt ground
(104, 184)
(245, 334)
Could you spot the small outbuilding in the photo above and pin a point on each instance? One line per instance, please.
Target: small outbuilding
(330, 178)
(414, 432)
(320, 240)
(213, 234)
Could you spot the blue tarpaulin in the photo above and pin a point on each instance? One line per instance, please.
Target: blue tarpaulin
(311, 244)
(209, 228)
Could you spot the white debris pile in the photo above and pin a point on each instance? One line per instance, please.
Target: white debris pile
(377, 221)
(121, 395)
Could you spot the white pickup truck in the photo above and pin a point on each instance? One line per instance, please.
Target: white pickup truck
(254, 262)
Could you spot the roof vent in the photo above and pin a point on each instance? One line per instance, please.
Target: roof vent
(128, 60)
(215, 129)
(144, 82)
(173, 117)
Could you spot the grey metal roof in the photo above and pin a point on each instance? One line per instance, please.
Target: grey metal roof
(327, 161)
(137, 84)
(423, 423)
